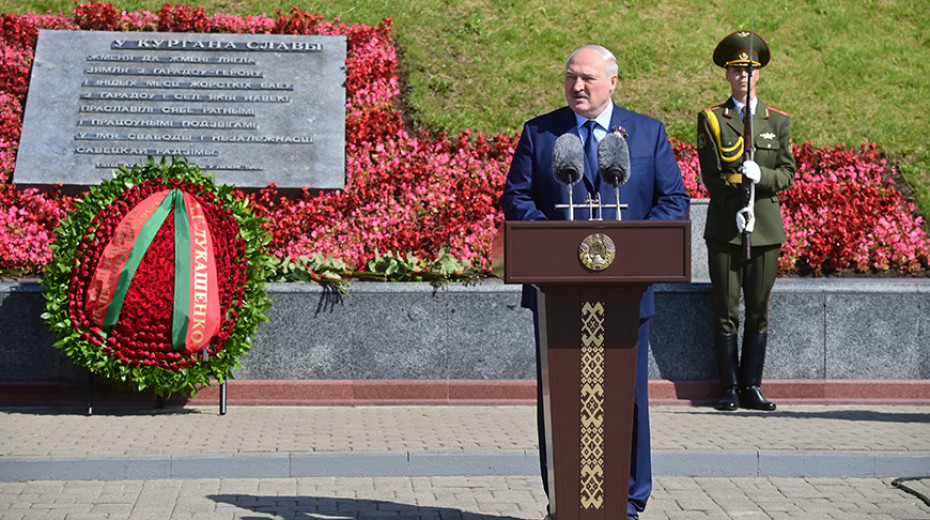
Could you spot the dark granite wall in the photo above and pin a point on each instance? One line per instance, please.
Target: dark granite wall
(821, 329)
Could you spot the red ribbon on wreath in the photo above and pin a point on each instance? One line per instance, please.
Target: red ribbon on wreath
(196, 311)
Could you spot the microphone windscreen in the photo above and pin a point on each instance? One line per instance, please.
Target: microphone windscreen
(613, 159)
(568, 159)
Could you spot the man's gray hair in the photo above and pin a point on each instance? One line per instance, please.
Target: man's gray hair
(611, 69)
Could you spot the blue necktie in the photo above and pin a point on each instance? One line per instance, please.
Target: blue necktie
(590, 153)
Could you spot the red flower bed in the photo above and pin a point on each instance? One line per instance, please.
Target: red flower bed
(419, 194)
(843, 212)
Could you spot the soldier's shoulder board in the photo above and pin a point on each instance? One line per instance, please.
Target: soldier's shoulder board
(773, 109)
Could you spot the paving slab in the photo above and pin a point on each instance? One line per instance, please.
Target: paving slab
(455, 462)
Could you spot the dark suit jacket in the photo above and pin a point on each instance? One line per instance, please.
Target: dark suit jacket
(655, 190)
(773, 152)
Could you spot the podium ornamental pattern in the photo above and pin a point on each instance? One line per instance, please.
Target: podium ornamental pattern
(592, 405)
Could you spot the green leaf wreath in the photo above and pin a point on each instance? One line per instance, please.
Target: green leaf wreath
(137, 351)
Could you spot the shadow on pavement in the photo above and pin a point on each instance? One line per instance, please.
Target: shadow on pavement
(106, 410)
(333, 508)
(840, 415)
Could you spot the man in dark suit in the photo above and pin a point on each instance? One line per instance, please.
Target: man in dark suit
(721, 154)
(654, 191)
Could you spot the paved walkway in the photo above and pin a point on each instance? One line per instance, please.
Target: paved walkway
(439, 463)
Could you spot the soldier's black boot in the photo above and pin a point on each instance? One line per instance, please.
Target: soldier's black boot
(727, 361)
(750, 372)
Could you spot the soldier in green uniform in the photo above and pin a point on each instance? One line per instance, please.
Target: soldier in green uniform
(723, 166)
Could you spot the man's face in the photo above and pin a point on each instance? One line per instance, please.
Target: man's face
(738, 78)
(587, 86)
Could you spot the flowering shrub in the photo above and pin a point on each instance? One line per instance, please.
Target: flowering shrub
(843, 212)
(14, 73)
(137, 347)
(435, 196)
(27, 221)
(96, 16)
(402, 199)
(690, 166)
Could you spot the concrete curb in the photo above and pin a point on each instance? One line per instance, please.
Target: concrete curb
(665, 464)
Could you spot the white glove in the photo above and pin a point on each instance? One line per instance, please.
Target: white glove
(751, 170)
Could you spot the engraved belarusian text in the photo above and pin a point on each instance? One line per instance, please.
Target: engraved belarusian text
(231, 103)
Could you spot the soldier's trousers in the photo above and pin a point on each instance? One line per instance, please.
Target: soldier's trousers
(730, 275)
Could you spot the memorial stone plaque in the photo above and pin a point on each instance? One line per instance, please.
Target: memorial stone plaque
(250, 109)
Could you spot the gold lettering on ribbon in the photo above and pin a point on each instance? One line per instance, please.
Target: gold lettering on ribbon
(201, 279)
(592, 405)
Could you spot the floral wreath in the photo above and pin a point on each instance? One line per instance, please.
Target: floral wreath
(126, 307)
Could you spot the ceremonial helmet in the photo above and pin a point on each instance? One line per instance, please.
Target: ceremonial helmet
(734, 50)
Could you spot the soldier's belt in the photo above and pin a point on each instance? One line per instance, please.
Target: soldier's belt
(735, 178)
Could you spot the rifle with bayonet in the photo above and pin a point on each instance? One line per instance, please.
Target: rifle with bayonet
(746, 217)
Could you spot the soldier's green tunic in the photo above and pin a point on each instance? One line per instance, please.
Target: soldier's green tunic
(720, 161)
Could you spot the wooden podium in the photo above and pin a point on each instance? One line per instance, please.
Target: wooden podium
(590, 277)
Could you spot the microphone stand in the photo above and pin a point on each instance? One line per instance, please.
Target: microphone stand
(617, 199)
(571, 207)
(591, 204)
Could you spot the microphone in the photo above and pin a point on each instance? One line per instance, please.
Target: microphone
(568, 159)
(613, 159)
